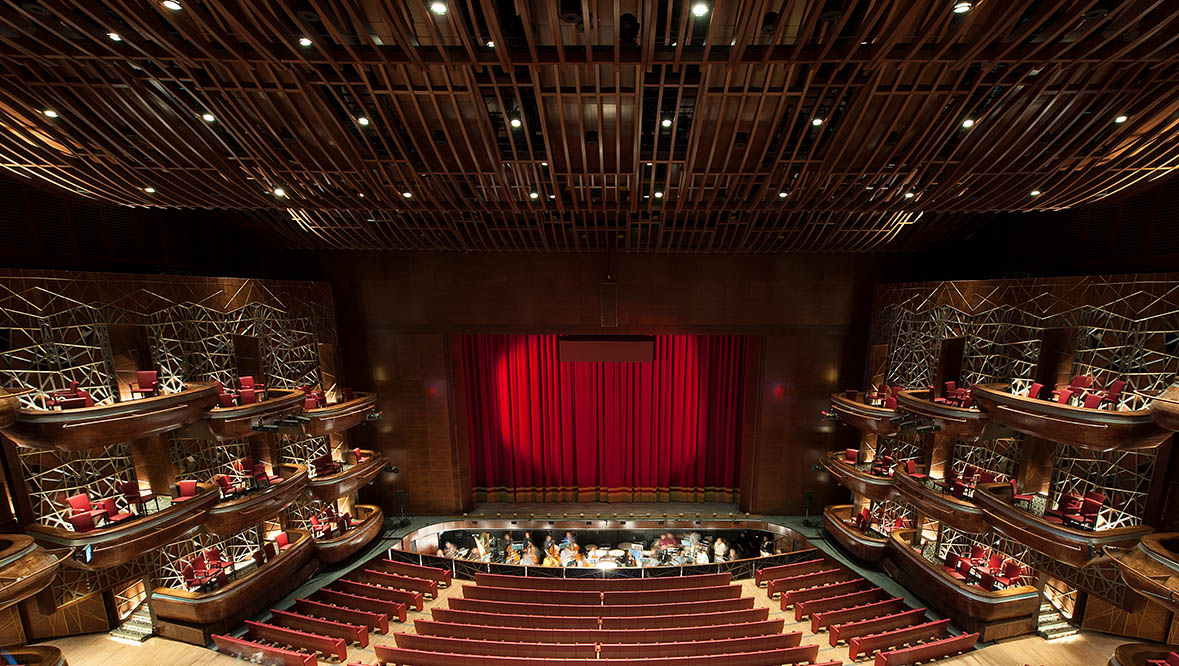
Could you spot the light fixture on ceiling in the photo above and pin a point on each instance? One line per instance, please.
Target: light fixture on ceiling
(963, 7)
(666, 122)
(909, 195)
(50, 113)
(1121, 119)
(304, 41)
(552, 196)
(516, 123)
(490, 44)
(650, 164)
(1035, 193)
(817, 121)
(544, 164)
(208, 117)
(362, 121)
(114, 36)
(658, 194)
(172, 4)
(279, 192)
(783, 194)
(438, 8)
(407, 194)
(360, 194)
(533, 195)
(149, 190)
(968, 123)
(699, 9)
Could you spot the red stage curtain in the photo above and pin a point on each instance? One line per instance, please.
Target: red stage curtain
(542, 430)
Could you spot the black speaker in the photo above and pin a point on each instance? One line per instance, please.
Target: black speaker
(402, 521)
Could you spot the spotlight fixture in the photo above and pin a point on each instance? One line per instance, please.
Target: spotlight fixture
(304, 41)
(666, 122)
(208, 117)
(963, 7)
(1035, 193)
(149, 190)
(360, 194)
(279, 192)
(533, 195)
(50, 113)
(699, 9)
(438, 8)
(490, 44)
(114, 36)
(817, 121)
(362, 121)
(650, 164)
(552, 196)
(516, 123)
(544, 164)
(783, 194)
(909, 195)
(968, 123)
(407, 194)
(1120, 119)
(172, 4)
(658, 194)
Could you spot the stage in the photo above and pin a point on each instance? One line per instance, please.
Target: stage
(608, 510)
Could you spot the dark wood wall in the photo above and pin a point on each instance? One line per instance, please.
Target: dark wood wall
(398, 313)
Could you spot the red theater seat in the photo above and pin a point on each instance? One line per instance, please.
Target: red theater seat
(785, 570)
(501, 620)
(690, 620)
(443, 576)
(848, 630)
(824, 577)
(926, 651)
(374, 577)
(601, 636)
(794, 597)
(867, 645)
(603, 584)
(389, 608)
(407, 657)
(805, 609)
(379, 592)
(251, 651)
(508, 607)
(350, 633)
(503, 647)
(378, 622)
(874, 609)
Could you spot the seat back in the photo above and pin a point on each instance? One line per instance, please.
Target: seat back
(995, 562)
(949, 389)
(1012, 570)
(890, 402)
(246, 381)
(976, 552)
(82, 522)
(280, 540)
(79, 503)
(146, 379)
(910, 467)
(108, 503)
(310, 402)
(1095, 496)
(1114, 392)
(1092, 401)
(188, 487)
(349, 394)
(1080, 382)
(248, 396)
(952, 560)
(129, 490)
(986, 476)
(225, 400)
(986, 581)
(964, 567)
(1034, 391)
(1064, 395)
(1090, 507)
(851, 455)
(223, 481)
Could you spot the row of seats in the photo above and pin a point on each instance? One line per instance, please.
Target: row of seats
(519, 608)
(508, 648)
(603, 584)
(595, 598)
(625, 622)
(407, 657)
(616, 636)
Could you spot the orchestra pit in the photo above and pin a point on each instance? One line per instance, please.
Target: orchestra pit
(589, 332)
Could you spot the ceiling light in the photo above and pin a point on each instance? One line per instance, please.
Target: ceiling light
(279, 192)
(114, 36)
(782, 194)
(650, 164)
(438, 8)
(208, 117)
(1120, 119)
(515, 122)
(909, 195)
(666, 122)
(962, 7)
(172, 4)
(552, 196)
(968, 123)
(304, 41)
(658, 194)
(490, 44)
(533, 195)
(817, 121)
(149, 190)
(699, 9)
(50, 112)
(360, 194)
(544, 164)
(407, 194)
(362, 121)
(1035, 193)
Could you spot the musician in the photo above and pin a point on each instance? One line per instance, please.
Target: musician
(720, 550)
(767, 547)
(449, 550)
(549, 544)
(701, 554)
(531, 556)
(569, 540)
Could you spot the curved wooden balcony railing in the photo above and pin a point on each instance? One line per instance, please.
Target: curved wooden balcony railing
(967, 604)
(103, 425)
(25, 568)
(242, 593)
(336, 417)
(859, 414)
(1151, 567)
(1096, 429)
(365, 527)
(351, 478)
(858, 481)
(233, 515)
(1072, 546)
(1139, 654)
(10, 405)
(1164, 407)
(36, 655)
(226, 423)
(961, 514)
(963, 423)
(120, 543)
(864, 546)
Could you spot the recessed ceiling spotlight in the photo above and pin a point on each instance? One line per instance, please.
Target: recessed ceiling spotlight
(909, 195)
(50, 112)
(963, 7)
(544, 164)
(783, 194)
(362, 121)
(666, 122)
(699, 9)
(552, 196)
(407, 194)
(438, 8)
(490, 44)
(650, 164)
(279, 192)
(208, 117)
(114, 36)
(533, 195)
(658, 194)
(516, 123)
(149, 190)
(172, 4)
(1120, 119)
(304, 41)
(817, 121)
(968, 123)
(360, 194)
(1035, 193)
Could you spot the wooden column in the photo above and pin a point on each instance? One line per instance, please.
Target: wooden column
(152, 457)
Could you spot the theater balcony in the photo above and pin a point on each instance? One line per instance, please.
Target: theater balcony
(1090, 428)
(335, 417)
(944, 504)
(81, 428)
(36, 655)
(867, 413)
(868, 545)
(338, 543)
(1164, 407)
(10, 405)
(1055, 536)
(995, 614)
(192, 615)
(25, 568)
(956, 420)
(1151, 567)
(242, 420)
(120, 542)
(334, 479)
(1143, 654)
(264, 498)
(857, 477)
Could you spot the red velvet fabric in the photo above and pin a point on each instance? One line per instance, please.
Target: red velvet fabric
(542, 430)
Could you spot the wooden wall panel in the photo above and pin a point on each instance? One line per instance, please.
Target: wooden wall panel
(86, 615)
(12, 631)
(1151, 623)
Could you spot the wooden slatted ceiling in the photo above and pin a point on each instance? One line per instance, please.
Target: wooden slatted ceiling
(742, 86)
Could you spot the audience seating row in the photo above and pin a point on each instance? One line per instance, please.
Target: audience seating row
(925, 652)
(295, 639)
(335, 597)
(805, 609)
(887, 640)
(397, 581)
(407, 657)
(627, 636)
(589, 598)
(378, 622)
(508, 648)
(764, 576)
(350, 633)
(874, 609)
(406, 597)
(441, 576)
(849, 630)
(625, 622)
(603, 584)
(520, 608)
(795, 597)
(822, 577)
(249, 650)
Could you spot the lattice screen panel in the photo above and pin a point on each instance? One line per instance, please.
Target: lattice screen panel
(1122, 476)
(960, 542)
(52, 476)
(236, 547)
(997, 455)
(298, 514)
(202, 460)
(903, 446)
(302, 450)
